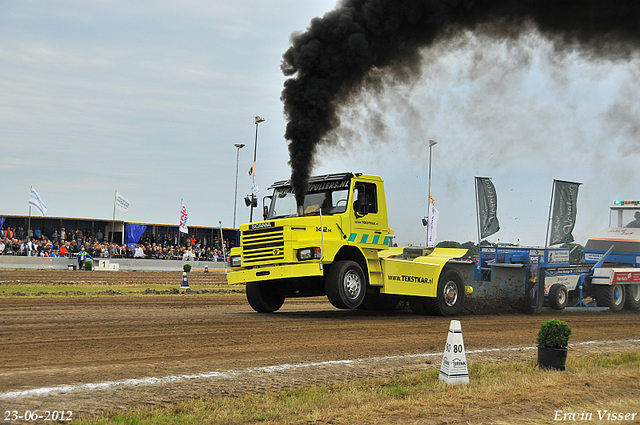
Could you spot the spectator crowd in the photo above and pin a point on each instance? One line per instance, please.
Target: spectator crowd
(16, 241)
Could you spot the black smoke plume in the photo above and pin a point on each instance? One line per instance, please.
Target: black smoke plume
(337, 55)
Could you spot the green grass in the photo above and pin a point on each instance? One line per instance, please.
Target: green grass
(93, 289)
(504, 393)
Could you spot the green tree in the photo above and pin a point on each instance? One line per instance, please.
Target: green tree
(470, 246)
(576, 255)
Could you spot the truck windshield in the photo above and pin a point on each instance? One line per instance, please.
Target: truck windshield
(331, 197)
(624, 217)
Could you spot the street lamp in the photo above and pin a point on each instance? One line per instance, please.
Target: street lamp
(431, 144)
(235, 197)
(259, 119)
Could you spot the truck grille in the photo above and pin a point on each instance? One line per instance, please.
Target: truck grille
(262, 245)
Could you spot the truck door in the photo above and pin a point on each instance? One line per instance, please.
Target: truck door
(369, 223)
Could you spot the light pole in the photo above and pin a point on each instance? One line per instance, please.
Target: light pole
(431, 144)
(235, 197)
(259, 119)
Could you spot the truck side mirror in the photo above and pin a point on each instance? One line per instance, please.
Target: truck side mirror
(265, 207)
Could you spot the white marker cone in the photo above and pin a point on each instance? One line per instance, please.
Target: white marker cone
(185, 282)
(206, 268)
(454, 360)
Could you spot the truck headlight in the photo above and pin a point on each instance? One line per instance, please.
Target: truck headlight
(236, 261)
(309, 253)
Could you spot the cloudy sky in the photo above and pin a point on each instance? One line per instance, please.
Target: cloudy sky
(149, 98)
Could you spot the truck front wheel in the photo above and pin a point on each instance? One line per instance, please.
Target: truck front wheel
(558, 297)
(345, 284)
(632, 301)
(263, 297)
(449, 299)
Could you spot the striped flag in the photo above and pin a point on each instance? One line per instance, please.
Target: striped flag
(184, 219)
(36, 201)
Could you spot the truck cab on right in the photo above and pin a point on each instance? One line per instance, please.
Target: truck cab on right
(615, 253)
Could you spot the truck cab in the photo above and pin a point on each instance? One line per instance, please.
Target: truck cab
(623, 234)
(344, 216)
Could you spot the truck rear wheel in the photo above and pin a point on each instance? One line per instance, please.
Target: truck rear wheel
(345, 284)
(449, 299)
(611, 296)
(263, 297)
(632, 301)
(558, 297)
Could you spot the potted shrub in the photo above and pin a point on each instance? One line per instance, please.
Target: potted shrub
(553, 339)
(88, 265)
(186, 267)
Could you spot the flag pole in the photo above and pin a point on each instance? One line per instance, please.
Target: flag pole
(224, 254)
(477, 208)
(113, 224)
(540, 283)
(179, 235)
(431, 144)
(29, 221)
(546, 238)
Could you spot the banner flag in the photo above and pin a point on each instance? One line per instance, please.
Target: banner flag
(487, 207)
(434, 215)
(565, 205)
(252, 170)
(184, 219)
(122, 203)
(36, 201)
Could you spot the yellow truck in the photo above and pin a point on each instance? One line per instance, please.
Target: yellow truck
(338, 244)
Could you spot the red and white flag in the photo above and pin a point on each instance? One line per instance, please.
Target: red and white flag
(184, 219)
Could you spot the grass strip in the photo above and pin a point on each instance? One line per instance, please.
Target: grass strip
(92, 289)
(499, 393)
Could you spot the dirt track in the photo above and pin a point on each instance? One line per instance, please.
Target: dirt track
(48, 342)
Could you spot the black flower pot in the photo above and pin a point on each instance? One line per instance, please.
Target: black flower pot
(552, 358)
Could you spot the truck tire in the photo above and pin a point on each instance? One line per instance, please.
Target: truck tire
(263, 298)
(558, 297)
(345, 285)
(611, 296)
(449, 299)
(632, 297)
